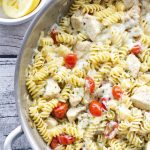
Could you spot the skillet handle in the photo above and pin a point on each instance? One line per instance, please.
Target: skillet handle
(12, 137)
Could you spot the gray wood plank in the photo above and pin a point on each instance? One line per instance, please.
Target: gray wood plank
(11, 38)
(8, 115)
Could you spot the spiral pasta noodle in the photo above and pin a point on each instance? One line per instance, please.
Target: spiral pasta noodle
(48, 107)
(66, 38)
(65, 23)
(35, 89)
(89, 78)
(91, 145)
(112, 19)
(40, 124)
(46, 41)
(76, 81)
(105, 13)
(75, 6)
(38, 60)
(71, 129)
(65, 93)
(145, 40)
(91, 8)
(134, 139)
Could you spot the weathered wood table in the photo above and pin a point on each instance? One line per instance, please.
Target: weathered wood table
(10, 43)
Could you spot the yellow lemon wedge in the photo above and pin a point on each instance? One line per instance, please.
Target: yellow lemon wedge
(19, 8)
(0, 2)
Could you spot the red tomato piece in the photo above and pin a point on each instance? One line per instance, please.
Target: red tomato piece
(95, 108)
(54, 143)
(66, 139)
(53, 35)
(111, 129)
(103, 99)
(90, 84)
(104, 105)
(136, 49)
(116, 92)
(61, 110)
(70, 60)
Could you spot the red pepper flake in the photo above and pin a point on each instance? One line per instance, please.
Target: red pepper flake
(53, 34)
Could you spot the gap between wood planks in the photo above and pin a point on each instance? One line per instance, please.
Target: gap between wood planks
(8, 56)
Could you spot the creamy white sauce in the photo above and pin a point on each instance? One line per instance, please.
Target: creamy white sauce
(82, 63)
(91, 73)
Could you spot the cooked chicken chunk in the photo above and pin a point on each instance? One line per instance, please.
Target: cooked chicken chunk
(73, 113)
(123, 112)
(77, 22)
(76, 97)
(141, 98)
(92, 26)
(112, 104)
(51, 122)
(52, 88)
(81, 48)
(133, 64)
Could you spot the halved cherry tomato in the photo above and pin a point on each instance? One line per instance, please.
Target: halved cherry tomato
(66, 139)
(53, 35)
(95, 108)
(90, 84)
(116, 92)
(136, 49)
(54, 143)
(70, 60)
(61, 110)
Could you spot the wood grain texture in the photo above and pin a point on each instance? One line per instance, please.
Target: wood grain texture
(11, 38)
(10, 43)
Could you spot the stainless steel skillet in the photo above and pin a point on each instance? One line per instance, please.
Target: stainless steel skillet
(50, 14)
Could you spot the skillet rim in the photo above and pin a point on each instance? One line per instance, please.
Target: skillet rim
(32, 141)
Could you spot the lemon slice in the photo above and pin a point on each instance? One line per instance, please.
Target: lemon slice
(19, 8)
(0, 2)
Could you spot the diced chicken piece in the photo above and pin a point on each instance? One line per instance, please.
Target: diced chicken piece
(81, 48)
(76, 97)
(98, 92)
(102, 38)
(77, 22)
(133, 64)
(112, 104)
(141, 98)
(52, 88)
(104, 91)
(107, 88)
(124, 113)
(63, 50)
(73, 113)
(51, 122)
(147, 147)
(82, 63)
(146, 28)
(92, 26)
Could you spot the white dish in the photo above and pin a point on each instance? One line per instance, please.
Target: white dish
(4, 20)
